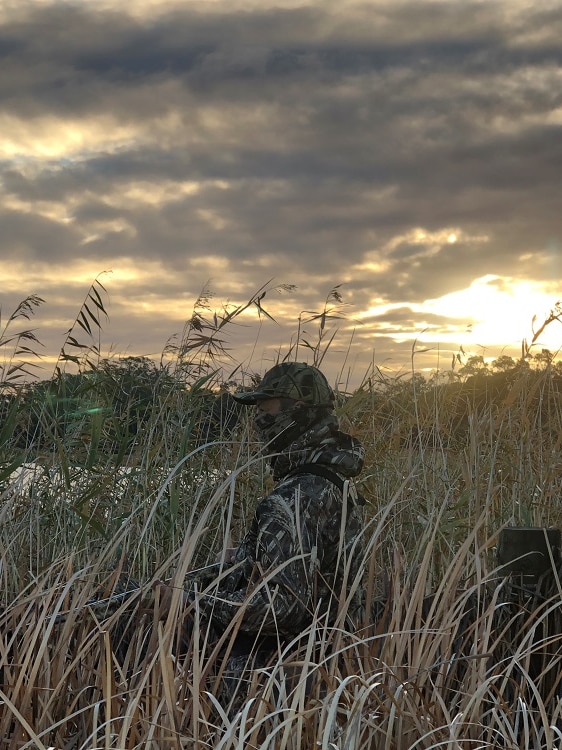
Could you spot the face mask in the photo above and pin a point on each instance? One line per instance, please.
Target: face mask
(276, 430)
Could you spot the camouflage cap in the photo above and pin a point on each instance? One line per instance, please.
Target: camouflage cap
(295, 380)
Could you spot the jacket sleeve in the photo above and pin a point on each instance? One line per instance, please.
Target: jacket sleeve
(280, 553)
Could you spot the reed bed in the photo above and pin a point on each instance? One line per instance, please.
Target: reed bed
(99, 501)
(422, 670)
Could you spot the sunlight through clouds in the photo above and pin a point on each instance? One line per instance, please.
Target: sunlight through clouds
(81, 272)
(404, 152)
(50, 138)
(501, 310)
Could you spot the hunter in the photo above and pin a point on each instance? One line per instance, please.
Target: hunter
(301, 555)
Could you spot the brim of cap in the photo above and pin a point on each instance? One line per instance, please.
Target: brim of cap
(250, 398)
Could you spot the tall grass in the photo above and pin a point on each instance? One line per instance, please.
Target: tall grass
(121, 484)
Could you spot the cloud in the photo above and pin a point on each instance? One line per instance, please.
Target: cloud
(315, 145)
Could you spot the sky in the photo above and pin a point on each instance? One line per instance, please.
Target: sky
(407, 155)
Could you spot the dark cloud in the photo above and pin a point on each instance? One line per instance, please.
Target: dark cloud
(30, 237)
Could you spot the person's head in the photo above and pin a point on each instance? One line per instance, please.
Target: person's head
(290, 399)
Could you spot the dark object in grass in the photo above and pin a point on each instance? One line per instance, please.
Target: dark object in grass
(529, 551)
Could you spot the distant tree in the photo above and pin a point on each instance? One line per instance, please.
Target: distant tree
(418, 383)
(543, 359)
(475, 365)
(503, 363)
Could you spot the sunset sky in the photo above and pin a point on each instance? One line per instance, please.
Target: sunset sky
(409, 152)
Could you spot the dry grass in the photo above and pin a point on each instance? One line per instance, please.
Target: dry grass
(465, 663)
(450, 654)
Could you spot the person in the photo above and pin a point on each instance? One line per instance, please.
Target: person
(301, 555)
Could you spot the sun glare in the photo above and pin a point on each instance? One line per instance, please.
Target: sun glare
(500, 311)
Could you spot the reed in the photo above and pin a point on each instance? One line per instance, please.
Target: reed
(103, 493)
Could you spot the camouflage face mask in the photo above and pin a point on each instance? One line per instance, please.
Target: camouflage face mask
(277, 431)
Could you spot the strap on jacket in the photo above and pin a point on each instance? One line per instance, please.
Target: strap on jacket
(323, 471)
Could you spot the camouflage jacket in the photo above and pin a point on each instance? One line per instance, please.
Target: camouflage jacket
(302, 551)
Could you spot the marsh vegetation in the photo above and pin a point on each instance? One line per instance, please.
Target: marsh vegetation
(124, 471)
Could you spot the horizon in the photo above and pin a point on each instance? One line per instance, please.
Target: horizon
(332, 351)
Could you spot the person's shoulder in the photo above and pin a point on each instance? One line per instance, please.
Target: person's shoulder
(317, 481)
(310, 483)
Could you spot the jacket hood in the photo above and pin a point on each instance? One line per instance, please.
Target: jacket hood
(325, 444)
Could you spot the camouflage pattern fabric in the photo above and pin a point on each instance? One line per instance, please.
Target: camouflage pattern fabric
(300, 556)
(302, 550)
(295, 380)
